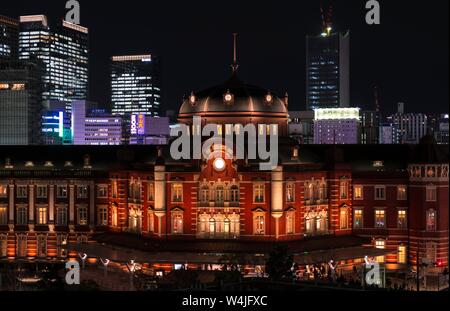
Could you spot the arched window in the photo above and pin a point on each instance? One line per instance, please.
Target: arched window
(226, 226)
(177, 223)
(212, 226)
(290, 192)
(431, 220)
(343, 218)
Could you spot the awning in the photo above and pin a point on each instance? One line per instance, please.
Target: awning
(315, 257)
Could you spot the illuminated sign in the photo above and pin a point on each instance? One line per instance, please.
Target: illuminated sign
(336, 114)
(133, 124)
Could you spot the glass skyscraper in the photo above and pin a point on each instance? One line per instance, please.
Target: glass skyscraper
(135, 85)
(63, 51)
(328, 71)
(9, 38)
(20, 103)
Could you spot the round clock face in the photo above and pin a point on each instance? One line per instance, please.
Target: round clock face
(228, 97)
(219, 164)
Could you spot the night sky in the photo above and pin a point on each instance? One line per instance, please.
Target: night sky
(407, 55)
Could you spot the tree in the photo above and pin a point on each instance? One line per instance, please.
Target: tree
(279, 264)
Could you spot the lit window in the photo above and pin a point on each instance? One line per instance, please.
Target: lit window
(380, 244)
(82, 216)
(102, 191)
(3, 191)
(290, 192)
(402, 220)
(177, 223)
(258, 193)
(401, 193)
(42, 216)
(343, 219)
(380, 193)
(358, 219)
(151, 221)
(177, 193)
(358, 192)
(402, 255)
(259, 224)
(431, 220)
(380, 219)
(290, 223)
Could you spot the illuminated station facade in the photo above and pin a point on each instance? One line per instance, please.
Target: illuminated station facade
(394, 197)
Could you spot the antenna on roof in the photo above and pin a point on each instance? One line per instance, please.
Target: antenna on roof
(235, 65)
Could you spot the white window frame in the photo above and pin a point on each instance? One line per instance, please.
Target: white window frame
(42, 194)
(375, 193)
(102, 191)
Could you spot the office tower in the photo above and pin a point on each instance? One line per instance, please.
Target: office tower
(9, 38)
(63, 50)
(336, 126)
(412, 126)
(442, 133)
(328, 70)
(370, 123)
(93, 126)
(20, 103)
(56, 124)
(135, 85)
(389, 134)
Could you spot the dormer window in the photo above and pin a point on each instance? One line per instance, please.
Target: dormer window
(192, 99)
(269, 99)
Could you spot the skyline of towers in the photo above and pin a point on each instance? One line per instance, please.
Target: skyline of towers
(63, 52)
(9, 34)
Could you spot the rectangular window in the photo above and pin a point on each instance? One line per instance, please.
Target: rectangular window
(151, 192)
(82, 216)
(22, 219)
(3, 215)
(41, 192)
(259, 225)
(290, 223)
(61, 192)
(380, 193)
(380, 244)
(102, 191)
(21, 248)
(344, 190)
(61, 243)
(102, 216)
(290, 192)
(177, 223)
(401, 193)
(177, 193)
(151, 221)
(3, 246)
(380, 219)
(22, 192)
(343, 219)
(42, 246)
(61, 216)
(3, 191)
(401, 220)
(82, 192)
(431, 194)
(431, 220)
(41, 216)
(402, 255)
(358, 219)
(258, 193)
(358, 192)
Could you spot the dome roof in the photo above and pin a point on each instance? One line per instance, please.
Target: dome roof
(233, 96)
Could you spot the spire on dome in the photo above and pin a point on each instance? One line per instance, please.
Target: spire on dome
(235, 65)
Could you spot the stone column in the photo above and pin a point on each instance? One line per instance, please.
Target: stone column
(11, 207)
(160, 195)
(71, 207)
(31, 208)
(277, 197)
(51, 207)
